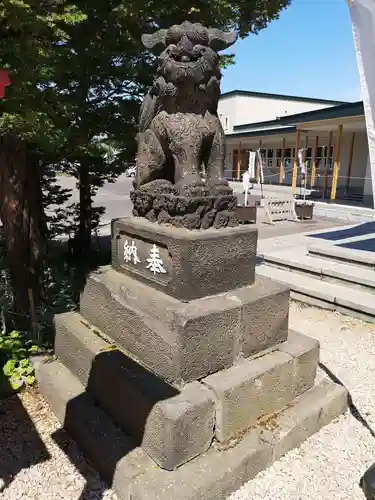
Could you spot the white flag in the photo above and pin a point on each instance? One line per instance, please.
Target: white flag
(363, 20)
(261, 166)
(252, 158)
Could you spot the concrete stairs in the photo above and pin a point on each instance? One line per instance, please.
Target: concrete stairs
(327, 276)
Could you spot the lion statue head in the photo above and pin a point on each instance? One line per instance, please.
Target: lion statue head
(188, 51)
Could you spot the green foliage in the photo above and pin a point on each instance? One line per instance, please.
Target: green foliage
(15, 354)
(78, 70)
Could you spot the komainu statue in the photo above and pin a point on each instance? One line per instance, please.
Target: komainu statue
(181, 144)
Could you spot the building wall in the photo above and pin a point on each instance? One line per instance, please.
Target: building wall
(240, 109)
(358, 182)
(367, 188)
(359, 162)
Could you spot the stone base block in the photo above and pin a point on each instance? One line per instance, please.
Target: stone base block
(262, 386)
(183, 342)
(211, 476)
(192, 264)
(305, 353)
(172, 426)
(180, 428)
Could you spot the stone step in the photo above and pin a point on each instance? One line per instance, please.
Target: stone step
(231, 398)
(173, 426)
(332, 296)
(212, 476)
(335, 253)
(296, 260)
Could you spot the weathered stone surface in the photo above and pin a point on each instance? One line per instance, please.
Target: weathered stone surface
(216, 474)
(265, 315)
(305, 352)
(310, 412)
(199, 212)
(113, 378)
(196, 263)
(180, 428)
(192, 339)
(180, 342)
(212, 476)
(179, 131)
(250, 390)
(172, 427)
(113, 454)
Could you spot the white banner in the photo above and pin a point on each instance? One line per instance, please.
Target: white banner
(260, 159)
(363, 20)
(252, 158)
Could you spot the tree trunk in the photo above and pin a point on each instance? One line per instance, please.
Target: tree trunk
(82, 240)
(24, 224)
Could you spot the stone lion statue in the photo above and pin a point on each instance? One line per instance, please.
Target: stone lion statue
(180, 134)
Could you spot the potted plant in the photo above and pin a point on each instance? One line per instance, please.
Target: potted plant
(247, 213)
(304, 209)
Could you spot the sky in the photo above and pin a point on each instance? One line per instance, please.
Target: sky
(308, 51)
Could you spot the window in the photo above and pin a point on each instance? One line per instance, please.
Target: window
(323, 159)
(279, 154)
(240, 162)
(224, 122)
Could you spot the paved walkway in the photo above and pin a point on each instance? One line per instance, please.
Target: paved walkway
(330, 231)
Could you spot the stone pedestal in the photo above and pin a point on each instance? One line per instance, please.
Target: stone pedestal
(178, 352)
(196, 264)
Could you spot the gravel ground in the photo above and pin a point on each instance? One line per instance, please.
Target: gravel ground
(331, 463)
(38, 461)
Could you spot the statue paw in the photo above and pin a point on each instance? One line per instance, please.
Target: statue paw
(219, 188)
(190, 186)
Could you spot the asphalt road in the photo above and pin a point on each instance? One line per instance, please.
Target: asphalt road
(116, 200)
(114, 196)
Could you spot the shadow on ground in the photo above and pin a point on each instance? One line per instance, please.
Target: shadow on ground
(367, 481)
(342, 234)
(365, 245)
(352, 407)
(20, 444)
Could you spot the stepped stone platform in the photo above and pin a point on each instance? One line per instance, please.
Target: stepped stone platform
(326, 275)
(176, 391)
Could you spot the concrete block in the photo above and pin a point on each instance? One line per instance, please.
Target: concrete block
(173, 427)
(310, 412)
(125, 311)
(196, 263)
(212, 476)
(178, 341)
(250, 390)
(113, 378)
(265, 315)
(111, 452)
(180, 428)
(305, 353)
(216, 474)
(194, 339)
